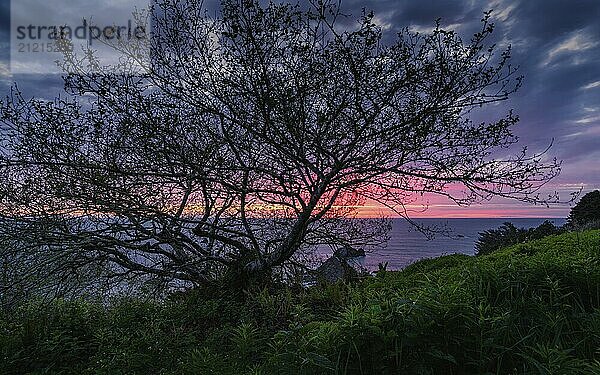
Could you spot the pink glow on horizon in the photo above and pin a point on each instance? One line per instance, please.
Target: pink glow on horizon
(472, 212)
(440, 207)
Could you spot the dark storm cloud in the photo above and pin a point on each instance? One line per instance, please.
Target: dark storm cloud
(420, 12)
(4, 16)
(4, 29)
(556, 43)
(39, 85)
(424, 12)
(4, 44)
(557, 47)
(550, 19)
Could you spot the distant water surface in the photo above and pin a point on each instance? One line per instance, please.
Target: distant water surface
(408, 245)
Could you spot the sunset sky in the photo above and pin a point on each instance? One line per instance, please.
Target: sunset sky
(555, 42)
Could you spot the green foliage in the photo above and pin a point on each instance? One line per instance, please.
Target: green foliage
(507, 235)
(533, 308)
(432, 264)
(587, 211)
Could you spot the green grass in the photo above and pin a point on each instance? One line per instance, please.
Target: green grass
(532, 308)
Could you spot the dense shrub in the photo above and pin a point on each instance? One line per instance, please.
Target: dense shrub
(507, 235)
(586, 212)
(532, 308)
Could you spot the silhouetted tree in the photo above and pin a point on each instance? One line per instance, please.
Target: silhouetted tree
(508, 234)
(251, 138)
(586, 211)
(495, 239)
(547, 228)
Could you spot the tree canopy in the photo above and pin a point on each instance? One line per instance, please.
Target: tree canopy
(508, 234)
(587, 210)
(252, 138)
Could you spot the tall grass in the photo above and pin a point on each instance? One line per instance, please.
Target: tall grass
(533, 308)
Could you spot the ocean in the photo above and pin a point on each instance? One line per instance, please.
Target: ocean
(407, 245)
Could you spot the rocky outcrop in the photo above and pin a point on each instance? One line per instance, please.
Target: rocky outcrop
(339, 267)
(335, 269)
(348, 252)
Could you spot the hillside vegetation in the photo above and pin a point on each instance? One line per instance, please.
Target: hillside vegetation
(532, 308)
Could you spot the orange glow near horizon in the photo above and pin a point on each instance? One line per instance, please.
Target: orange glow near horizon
(440, 207)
